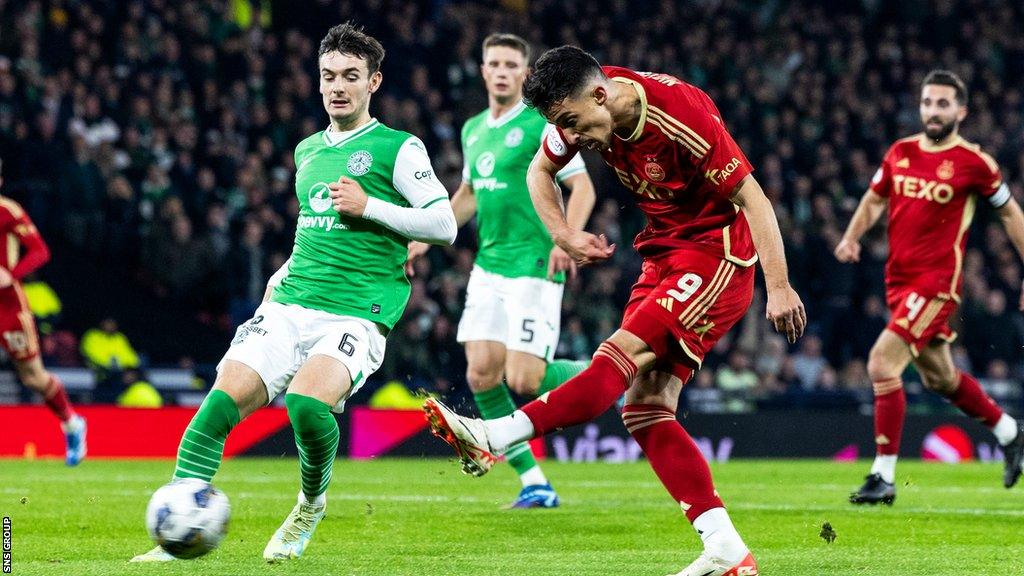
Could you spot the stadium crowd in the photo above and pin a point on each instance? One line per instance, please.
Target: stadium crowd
(157, 136)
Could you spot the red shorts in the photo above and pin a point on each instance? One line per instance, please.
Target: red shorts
(17, 325)
(919, 315)
(683, 303)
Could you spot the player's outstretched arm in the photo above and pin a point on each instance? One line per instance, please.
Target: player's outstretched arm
(785, 310)
(870, 209)
(1013, 221)
(582, 247)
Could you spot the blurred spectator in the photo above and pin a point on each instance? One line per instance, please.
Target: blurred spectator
(737, 382)
(808, 363)
(44, 303)
(107, 350)
(701, 395)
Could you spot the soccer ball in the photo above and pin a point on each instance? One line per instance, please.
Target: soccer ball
(188, 517)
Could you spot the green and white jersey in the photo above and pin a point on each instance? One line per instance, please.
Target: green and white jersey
(513, 240)
(355, 266)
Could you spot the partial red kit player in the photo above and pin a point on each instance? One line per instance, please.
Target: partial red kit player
(23, 251)
(932, 195)
(683, 166)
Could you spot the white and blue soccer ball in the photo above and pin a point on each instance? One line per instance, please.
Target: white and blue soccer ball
(188, 517)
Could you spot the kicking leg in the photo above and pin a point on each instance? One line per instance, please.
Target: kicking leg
(584, 397)
(940, 375)
(650, 416)
(237, 392)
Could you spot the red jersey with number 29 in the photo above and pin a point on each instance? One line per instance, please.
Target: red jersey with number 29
(932, 194)
(682, 166)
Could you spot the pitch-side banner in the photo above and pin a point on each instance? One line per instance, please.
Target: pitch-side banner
(31, 431)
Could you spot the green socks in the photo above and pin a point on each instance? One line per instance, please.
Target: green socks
(202, 444)
(495, 403)
(316, 437)
(558, 372)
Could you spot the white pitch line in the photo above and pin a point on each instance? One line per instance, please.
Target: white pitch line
(479, 500)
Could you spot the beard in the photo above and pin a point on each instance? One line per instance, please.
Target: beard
(940, 133)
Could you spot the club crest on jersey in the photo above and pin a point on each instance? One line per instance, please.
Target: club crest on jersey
(945, 170)
(653, 170)
(514, 137)
(485, 164)
(359, 163)
(319, 197)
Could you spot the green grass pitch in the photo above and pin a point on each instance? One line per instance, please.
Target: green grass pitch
(423, 517)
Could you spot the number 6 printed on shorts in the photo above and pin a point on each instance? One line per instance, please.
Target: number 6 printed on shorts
(348, 345)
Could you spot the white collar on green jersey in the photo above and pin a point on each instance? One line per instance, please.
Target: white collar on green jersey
(332, 138)
(506, 117)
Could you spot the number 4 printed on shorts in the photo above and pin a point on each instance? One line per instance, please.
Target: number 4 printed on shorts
(914, 304)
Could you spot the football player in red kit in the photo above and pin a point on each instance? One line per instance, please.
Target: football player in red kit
(708, 223)
(930, 182)
(24, 251)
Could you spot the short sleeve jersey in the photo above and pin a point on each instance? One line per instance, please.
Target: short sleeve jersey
(682, 166)
(932, 195)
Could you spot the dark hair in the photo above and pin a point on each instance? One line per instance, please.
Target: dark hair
(350, 39)
(509, 41)
(947, 78)
(558, 74)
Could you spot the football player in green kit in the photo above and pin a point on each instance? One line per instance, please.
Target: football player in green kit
(364, 191)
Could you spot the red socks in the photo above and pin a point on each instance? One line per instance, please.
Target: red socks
(585, 396)
(674, 457)
(890, 407)
(56, 399)
(973, 401)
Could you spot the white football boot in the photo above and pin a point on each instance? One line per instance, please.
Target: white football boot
(293, 536)
(706, 565)
(157, 554)
(468, 436)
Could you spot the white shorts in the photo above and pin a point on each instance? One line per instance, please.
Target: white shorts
(279, 338)
(524, 314)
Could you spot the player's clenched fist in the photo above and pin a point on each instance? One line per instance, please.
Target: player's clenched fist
(848, 251)
(347, 197)
(586, 248)
(786, 312)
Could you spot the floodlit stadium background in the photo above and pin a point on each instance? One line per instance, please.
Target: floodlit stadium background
(152, 142)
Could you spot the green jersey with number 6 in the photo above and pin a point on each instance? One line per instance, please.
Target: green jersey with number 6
(513, 241)
(343, 265)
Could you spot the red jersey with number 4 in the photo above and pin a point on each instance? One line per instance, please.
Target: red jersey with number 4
(932, 195)
(682, 166)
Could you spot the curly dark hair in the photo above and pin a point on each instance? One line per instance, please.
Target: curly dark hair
(558, 74)
(350, 39)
